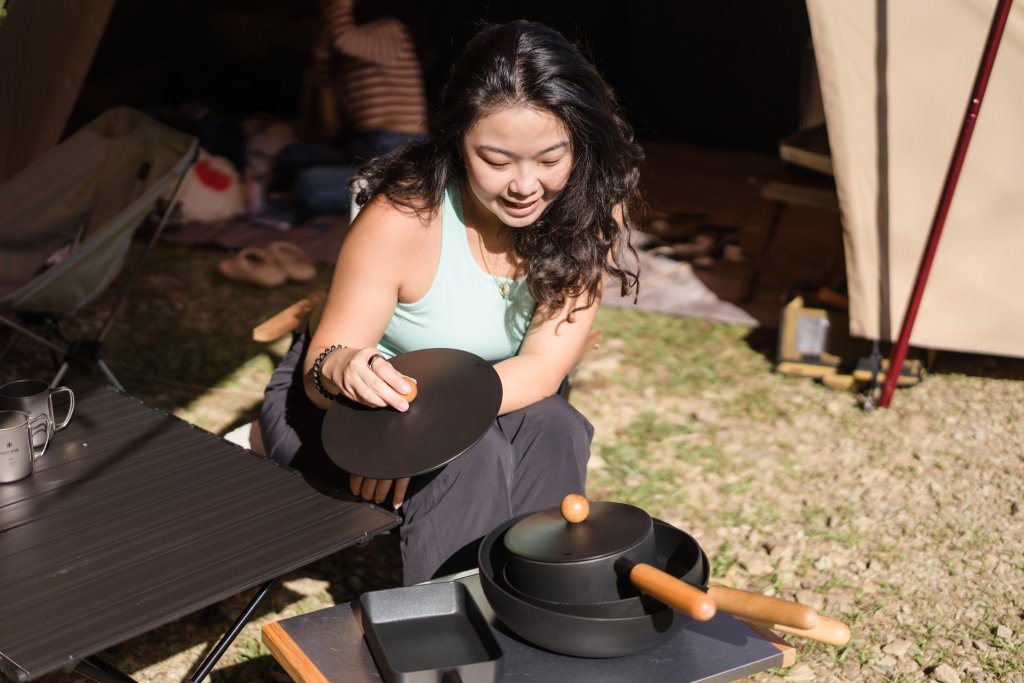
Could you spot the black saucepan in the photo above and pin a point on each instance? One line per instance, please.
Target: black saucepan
(592, 636)
(677, 553)
(588, 553)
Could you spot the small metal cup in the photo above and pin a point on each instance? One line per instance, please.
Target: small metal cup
(17, 454)
(35, 397)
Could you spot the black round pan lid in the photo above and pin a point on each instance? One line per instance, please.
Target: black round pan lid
(458, 396)
(609, 529)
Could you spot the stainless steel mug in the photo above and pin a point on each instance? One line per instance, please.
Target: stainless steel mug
(35, 397)
(17, 454)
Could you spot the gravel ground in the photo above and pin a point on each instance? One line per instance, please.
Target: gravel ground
(905, 522)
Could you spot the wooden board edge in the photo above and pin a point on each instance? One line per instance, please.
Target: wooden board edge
(289, 655)
(787, 650)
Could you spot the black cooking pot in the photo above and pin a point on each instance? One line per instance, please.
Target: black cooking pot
(588, 553)
(626, 607)
(676, 553)
(580, 635)
(561, 560)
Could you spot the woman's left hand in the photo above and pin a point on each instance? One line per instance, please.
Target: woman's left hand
(377, 489)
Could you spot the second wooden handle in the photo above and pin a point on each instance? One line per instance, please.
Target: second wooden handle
(673, 591)
(764, 608)
(828, 631)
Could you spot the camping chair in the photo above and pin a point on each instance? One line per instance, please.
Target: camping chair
(67, 222)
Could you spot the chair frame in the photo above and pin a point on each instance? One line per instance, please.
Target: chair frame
(84, 351)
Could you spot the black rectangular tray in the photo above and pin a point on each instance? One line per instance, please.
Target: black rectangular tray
(427, 633)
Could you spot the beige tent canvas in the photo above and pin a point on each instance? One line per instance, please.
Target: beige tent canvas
(46, 49)
(895, 79)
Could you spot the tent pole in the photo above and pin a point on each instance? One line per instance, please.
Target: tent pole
(899, 351)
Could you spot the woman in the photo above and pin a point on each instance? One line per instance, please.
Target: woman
(494, 234)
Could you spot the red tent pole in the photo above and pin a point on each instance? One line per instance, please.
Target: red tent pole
(988, 58)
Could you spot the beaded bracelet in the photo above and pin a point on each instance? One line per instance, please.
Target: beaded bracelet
(317, 382)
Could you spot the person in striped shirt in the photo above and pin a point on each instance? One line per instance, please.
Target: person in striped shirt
(371, 74)
(379, 79)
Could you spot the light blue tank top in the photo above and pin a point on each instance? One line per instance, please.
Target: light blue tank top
(463, 308)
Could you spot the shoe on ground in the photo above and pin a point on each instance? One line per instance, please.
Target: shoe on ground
(295, 262)
(255, 266)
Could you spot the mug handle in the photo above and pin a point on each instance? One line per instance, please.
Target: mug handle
(46, 431)
(71, 407)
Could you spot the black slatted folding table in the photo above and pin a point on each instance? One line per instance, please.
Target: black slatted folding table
(134, 518)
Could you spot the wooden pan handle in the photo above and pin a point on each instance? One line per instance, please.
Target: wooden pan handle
(673, 591)
(763, 608)
(828, 631)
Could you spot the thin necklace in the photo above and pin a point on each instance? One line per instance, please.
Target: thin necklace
(503, 287)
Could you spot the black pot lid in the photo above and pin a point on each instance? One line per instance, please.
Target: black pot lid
(458, 396)
(609, 529)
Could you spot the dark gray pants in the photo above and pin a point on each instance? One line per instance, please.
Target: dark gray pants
(528, 460)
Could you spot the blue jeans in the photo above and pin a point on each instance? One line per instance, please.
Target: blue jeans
(322, 187)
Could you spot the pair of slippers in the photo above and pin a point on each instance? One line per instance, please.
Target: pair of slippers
(270, 267)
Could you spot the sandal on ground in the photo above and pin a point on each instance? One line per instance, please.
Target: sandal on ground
(256, 266)
(296, 264)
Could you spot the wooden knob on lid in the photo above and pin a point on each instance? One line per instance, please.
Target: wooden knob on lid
(413, 388)
(575, 508)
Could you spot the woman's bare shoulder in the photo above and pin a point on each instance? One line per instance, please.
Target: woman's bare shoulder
(382, 223)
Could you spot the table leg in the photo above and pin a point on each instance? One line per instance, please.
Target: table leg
(95, 669)
(225, 642)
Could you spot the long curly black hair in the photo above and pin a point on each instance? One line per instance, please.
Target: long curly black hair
(576, 241)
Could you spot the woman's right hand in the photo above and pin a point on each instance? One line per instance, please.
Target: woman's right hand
(377, 489)
(365, 376)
